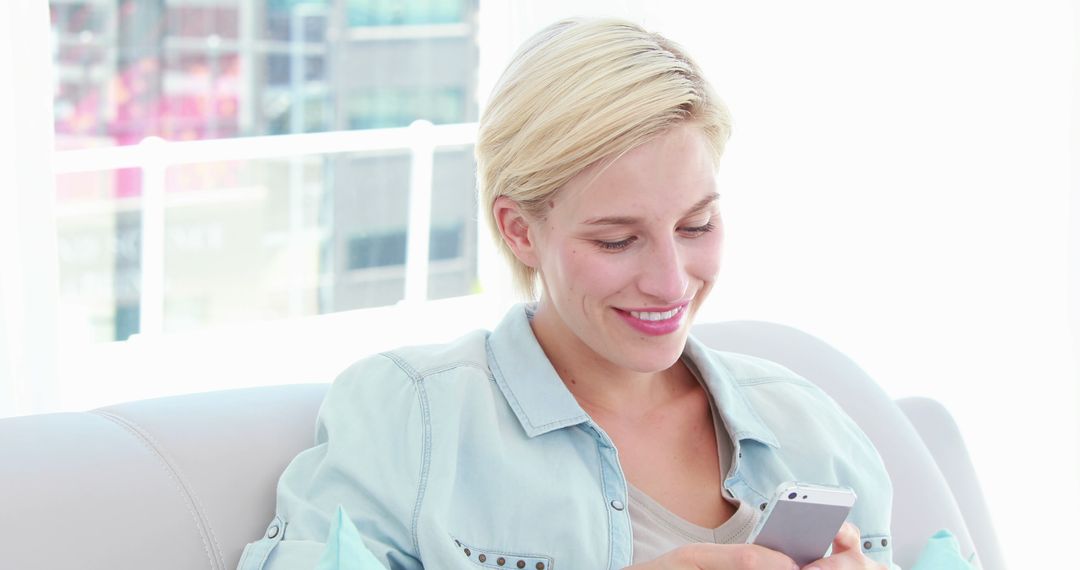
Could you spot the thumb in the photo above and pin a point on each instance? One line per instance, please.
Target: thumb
(847, 539)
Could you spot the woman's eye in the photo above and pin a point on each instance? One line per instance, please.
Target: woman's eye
(698, 230)
(615, 245)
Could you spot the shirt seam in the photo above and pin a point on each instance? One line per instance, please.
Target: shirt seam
(425, 460)
(446, 367)
(757, 381)
(751, 520)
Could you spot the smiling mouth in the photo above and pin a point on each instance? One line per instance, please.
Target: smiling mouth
(657, 315)
(656, 322)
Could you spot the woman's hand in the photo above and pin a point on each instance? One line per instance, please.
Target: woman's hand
(846, 553)
(719, 557)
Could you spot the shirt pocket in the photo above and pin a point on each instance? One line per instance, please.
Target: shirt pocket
(501, 559)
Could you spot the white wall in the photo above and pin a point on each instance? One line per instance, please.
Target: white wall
(898, 184)
(28, 260)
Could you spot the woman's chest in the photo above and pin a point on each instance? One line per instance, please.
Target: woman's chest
(556, 501)
(681, 469)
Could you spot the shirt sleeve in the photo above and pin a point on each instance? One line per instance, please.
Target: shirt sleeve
(367, 459)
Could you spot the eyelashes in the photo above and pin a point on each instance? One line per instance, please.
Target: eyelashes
(622, 244)
(697, 230)
(616, 245)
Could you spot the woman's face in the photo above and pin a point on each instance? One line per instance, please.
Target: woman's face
(628, 253)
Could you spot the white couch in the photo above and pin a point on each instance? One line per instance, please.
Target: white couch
(183, 483)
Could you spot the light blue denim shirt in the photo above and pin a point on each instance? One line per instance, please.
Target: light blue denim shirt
(475, 455)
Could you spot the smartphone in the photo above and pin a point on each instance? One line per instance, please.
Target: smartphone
(802, 520)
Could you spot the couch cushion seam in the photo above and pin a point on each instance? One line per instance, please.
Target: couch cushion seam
(191, 502)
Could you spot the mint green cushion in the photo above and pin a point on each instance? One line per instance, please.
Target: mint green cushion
(345, 549)
(942, 552)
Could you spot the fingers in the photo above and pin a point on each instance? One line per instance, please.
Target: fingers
(843, 561)
(739, 557)
(846, 554)
(847, 539)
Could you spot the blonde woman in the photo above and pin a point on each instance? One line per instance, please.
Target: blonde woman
(588, 430)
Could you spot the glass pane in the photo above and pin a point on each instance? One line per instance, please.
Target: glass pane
(187, 69)
(405, 12)
(452, 247)
(263, 238)
(243, 241)
(99, 248)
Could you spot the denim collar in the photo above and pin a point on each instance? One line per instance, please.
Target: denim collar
(542, 403)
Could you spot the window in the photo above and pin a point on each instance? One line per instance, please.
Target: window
(267, 236)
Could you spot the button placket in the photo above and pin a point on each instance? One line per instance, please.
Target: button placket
(613, 482)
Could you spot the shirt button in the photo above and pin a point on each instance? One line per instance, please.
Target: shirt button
(521, 564)
(273, 531)
(539, 566)
(617, 505)
(501, 561)
(483, 558)
(867, 545)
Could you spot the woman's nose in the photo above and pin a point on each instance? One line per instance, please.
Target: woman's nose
(663, 275)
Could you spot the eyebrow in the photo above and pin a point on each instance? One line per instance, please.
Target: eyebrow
(630, 220)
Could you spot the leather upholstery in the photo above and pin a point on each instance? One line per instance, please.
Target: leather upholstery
(183, 483)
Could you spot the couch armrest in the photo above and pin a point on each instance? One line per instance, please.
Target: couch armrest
(942, 437)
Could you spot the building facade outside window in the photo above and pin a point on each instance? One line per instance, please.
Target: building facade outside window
(268, 238)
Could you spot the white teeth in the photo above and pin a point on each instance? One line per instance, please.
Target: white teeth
(651, 316)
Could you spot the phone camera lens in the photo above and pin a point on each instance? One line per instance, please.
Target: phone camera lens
(792, 495)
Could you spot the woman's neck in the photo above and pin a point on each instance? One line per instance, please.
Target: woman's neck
(600, 385)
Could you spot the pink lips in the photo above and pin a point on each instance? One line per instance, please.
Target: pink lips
(655, 328)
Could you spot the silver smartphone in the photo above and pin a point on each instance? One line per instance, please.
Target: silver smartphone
(802, 520)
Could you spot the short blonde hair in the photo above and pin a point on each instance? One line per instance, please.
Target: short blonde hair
(578, 92)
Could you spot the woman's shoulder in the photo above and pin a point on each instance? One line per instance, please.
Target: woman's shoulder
(420, 362)
(401, 367)
(747, 370)
(790, 405)
(393, 386)
(772, 386)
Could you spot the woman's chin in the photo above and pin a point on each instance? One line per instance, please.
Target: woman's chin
(656, 355)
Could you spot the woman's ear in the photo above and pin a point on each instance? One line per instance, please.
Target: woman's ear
(514, 226)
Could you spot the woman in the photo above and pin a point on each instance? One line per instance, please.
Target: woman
(588, 430)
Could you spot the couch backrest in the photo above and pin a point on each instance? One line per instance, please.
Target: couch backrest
(179, 483)
(183, 483)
